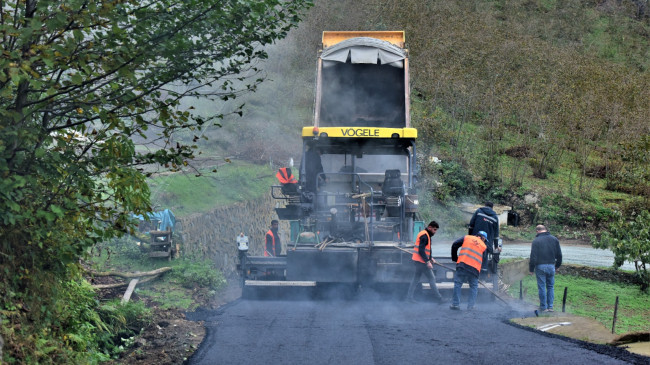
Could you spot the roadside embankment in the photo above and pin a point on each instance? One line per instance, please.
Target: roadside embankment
(212, 235)
(570, 325)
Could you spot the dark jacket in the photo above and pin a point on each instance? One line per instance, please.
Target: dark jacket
(272, 249)
(545, 250)
(485, 219)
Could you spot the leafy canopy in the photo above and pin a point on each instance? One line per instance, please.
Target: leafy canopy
(81, 82)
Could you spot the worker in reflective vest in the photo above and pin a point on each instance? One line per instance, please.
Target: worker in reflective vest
(468, 265)
(288, 183)
(285, 176)
(272, 241)
(424, 262)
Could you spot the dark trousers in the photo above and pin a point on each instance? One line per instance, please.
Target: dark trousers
(420, 269)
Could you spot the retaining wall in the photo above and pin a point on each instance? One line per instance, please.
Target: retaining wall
(212, 235)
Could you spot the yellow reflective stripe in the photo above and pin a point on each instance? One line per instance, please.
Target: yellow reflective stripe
(362, 132)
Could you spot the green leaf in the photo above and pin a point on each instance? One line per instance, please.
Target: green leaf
(76, 79)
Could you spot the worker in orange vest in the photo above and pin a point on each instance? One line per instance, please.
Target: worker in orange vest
(468, 265)
(423, 262)
(273, 245)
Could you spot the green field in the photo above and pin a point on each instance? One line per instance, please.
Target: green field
(596, 299)
(185, 193)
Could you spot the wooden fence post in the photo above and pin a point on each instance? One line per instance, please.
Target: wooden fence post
(615, 313)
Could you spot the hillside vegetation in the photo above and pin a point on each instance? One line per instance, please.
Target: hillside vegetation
(543, 106)
(231, 182)
(539, 105)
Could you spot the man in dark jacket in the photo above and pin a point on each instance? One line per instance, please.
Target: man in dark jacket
(545, 258)
(423, 262)
(486, 219)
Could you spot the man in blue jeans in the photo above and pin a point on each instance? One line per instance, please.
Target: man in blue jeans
(545, 258)
(468, 266)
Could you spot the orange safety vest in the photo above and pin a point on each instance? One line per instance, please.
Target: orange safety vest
(471, 252)
(416, 248)
(266, 252)
(285, 176)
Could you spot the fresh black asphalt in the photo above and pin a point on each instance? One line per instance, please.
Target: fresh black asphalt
(373, 330)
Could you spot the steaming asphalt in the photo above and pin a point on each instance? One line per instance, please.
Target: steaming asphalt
(370, 330)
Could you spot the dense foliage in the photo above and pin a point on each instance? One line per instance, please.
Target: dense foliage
(80, 82)
(629, 239)
(74, 327)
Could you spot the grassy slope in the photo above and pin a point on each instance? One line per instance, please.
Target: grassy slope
(233, 182)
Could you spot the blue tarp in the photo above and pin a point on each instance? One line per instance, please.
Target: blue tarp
(165, 217)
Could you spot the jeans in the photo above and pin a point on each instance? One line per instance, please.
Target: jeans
(545, 281)
(420, 269)
(460, 277)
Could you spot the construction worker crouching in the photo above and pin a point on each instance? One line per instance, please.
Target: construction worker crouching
(468, 265)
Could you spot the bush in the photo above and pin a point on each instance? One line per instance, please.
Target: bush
(75, 329)
(201, 273)
(563, 210)
(124, 322)
(629, 239)
(456, 181)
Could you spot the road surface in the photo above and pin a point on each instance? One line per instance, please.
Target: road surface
(571, 254)
(369, 330)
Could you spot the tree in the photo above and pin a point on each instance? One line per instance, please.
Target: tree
(630, 241)
(80, 81)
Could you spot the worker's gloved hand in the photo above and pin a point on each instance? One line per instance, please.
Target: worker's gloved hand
(429, 265)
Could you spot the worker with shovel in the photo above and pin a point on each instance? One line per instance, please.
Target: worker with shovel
(468, 265)
(424, 262)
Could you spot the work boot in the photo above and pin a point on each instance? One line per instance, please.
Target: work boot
(454, 307)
